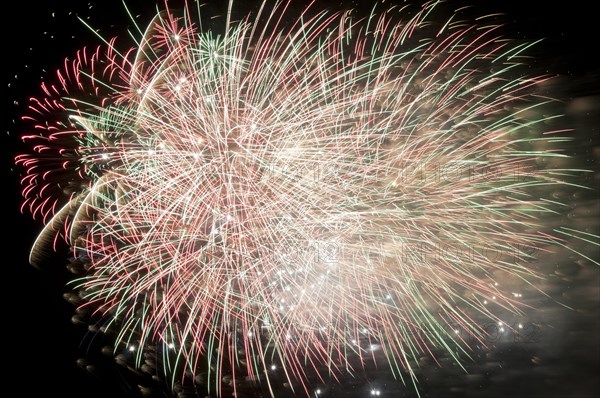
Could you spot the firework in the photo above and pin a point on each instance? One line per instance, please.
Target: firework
(294, 195)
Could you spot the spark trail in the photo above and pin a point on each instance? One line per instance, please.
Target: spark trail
(290, 193)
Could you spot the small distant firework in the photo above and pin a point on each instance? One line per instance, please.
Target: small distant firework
(290, 195)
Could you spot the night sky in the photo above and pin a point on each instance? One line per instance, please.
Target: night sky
(42, 345)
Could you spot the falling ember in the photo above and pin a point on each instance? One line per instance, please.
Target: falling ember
(296, 196)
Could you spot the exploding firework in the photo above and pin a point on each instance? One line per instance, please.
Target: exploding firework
(301, 196)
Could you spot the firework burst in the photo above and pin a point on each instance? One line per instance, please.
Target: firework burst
(294, 195)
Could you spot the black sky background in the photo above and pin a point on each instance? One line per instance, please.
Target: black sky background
(41, 344)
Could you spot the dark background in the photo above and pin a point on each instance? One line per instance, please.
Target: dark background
(42, 345)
